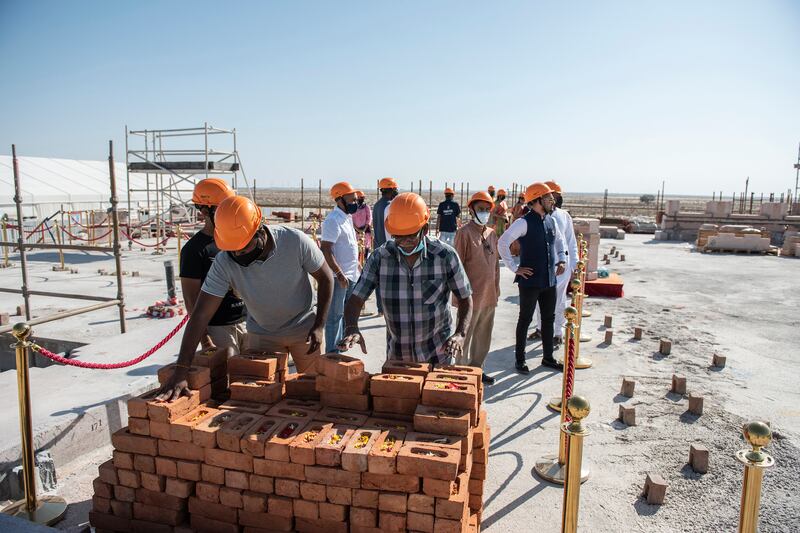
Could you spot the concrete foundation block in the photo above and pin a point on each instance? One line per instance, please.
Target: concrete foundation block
(608, 320)
(718, 360)
(616, 254)
(637, 333)
(605, 257)
(655, 489)
(678, 384)
(665, 347)
(628, 386)
(20, 310)
(627, 414)
(622, 257)
(695, 404)
(613, 249)
(607, 261)
(135, 274)
(698, 458)
(609, 336)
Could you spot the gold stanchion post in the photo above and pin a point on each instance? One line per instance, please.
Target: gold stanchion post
(578, 408)
(575, 284)
(583, 249)
(581, 362)
(755, 461)
(47, 509)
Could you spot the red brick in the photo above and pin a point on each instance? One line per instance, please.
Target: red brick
(212, 474)
(361, 516)
(230, 433)
(403, 406)
(404, 367)
(455, 506)
(253, 438)
(391, 521)
(197, 377)
(101, 505)
(476, 487)
(309, 405)
(678, 384)
(208, 492)
(280, 506)
(333, 476)
(254, 502)
(429, 461)
(129, 478)
(102, 489)
(462, 444)
(309, 525)
(365, 498)
(339, 495)
(160, 499)
(698, 458)
(421, 503)
(276, 447)
(328, 451)
(228, 460)
(475, 502)
(139, 426)
(665, 346)
(180, 450)
(259, 522)
(394, 502)
(137, 407)
(359, 385)
(123, 509)
(289, 488)
(447, 421)
(282, 469)
(460, 369)
(357, 402)
(109, 522)
(246, 407)
(124, 494)
(302, 386)
(202, 524)
(230, 497)
(144, 464)
(122, 459)
(161, 430)
(481, 432)
(344, 417)
(158, 515)
(382, 457)
(214, 511)
(341, 367)
(252, 364)
(332, 512)
(162, 411)
(181, 429)
(180, 488)
(355, 454)
(301, 449)
(383, 423)
(396, 386)
(439, 488)
(255, 390)
(144, 526)
(655, 489)
(420, 522)
(153, 482)
(124, 441)
(189, 470)
(478, 471)
(108, 473)
(204, 433)
(450, 395)
(236, 479)
(263, 484)
(216, 361)
(306, 509)
(166, 467)
(390, 482)
(695, 404)
(312, 491)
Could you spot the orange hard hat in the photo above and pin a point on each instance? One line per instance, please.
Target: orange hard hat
(236, 221)
(387, 183)
(555, 187)
(340, 189)
(407, 214)
(502, 191)
(360, 194)
(481, 196)
(491, 188)
(449, 190)
(211, 191)
(536, 190)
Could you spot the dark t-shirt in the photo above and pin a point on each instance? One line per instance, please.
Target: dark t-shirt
(197, 256)
(448, 213)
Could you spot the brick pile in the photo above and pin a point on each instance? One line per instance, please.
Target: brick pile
(339, 451)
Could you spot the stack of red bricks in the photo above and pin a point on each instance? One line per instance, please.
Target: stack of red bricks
(405, 450)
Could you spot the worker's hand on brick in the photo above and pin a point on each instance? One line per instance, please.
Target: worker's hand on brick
(454, 345)
(176, 386)
(524, 272)
(560, 268)
(315, 337)
(348, 341)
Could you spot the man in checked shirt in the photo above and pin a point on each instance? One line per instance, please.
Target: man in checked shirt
(415, 276)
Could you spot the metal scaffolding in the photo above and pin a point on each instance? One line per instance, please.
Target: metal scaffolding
(173, 160)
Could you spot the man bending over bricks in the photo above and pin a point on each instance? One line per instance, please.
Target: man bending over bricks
(415, 276)
(268, 268)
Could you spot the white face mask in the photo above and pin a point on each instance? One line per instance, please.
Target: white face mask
(482, 217)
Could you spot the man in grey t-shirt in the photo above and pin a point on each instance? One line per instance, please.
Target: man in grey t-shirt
(268, 268)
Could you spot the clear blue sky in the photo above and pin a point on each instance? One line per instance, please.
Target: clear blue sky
(597, 95)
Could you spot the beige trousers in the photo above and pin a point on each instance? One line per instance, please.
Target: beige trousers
(478, 338)
(228, 336)
(297, 347)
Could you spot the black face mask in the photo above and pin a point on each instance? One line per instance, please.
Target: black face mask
(350, 208)
(559, 201)
(360, 201)
(247, 259)
(448, 197)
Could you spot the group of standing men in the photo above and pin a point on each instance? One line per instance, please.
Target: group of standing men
(237, 269)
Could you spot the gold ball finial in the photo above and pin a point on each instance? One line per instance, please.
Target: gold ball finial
(575, 284)
(758, 435)
(21, 330)
(578, 408)
(580, 265)
(571, 313)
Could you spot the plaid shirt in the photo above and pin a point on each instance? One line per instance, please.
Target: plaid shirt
(416, 300)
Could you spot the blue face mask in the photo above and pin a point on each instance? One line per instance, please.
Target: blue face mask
(418, 248)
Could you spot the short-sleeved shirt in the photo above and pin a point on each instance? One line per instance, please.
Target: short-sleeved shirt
(448, 212)
(337, 228)
(416, 301)
(277, 290)
(197, 256)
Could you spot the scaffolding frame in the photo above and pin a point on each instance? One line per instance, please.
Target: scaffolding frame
(182, 168)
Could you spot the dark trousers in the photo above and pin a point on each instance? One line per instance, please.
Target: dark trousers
(528, 298)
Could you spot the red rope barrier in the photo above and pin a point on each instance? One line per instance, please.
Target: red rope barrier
(570, 369)
(104, 235)
(143, 244)
(110, 366)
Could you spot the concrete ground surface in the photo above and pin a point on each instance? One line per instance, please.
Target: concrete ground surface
(744, 307)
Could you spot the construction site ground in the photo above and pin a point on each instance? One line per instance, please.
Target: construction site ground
(742, 306)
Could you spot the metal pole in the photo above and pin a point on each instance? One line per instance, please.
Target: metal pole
(755, 461)
(178, 236)
(605, 202)
(579, 409)
(430, 192)
(302, 205)
(205, 136)
(21, 233)
(115, 231)
(60, 250)
(128, 184)
(5, 247)
(319, 201)
(419, 188)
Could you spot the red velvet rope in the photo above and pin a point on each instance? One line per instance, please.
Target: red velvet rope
(110, 366)
(570, 370)
(143, 244)
(103, 236)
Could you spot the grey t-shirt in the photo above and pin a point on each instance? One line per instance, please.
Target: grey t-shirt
(277, 290)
